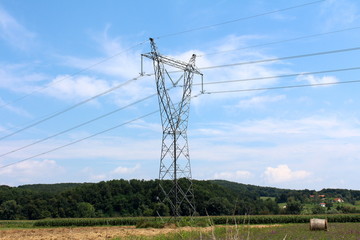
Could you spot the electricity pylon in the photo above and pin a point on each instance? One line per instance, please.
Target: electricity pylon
(174, 112)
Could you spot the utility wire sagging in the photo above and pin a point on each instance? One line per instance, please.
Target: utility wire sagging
(239, 19)
(282, 58)
(280, 41)
(44, 119)
(282, 87)
(79, 125)
(279, 76)
(80, 140)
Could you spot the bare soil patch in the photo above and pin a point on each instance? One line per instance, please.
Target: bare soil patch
(80, 233)
(92, 233)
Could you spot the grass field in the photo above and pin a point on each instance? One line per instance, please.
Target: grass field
(341, 226)
(348, 231)
(265, 198)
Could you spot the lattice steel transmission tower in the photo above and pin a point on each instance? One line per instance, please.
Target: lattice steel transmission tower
(174, 110)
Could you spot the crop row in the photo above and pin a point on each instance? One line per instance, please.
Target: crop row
(84, 222)
(273, 219)
(216, 220)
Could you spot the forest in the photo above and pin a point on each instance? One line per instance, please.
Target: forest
(121, 198)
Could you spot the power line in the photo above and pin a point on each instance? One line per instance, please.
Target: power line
(79, 125)
(283, 87)
(281, 41)
(70, 108)
(140, 43)
(80, 140)
(282, 58)
(71, 75)
(239, 19)
(93, 135)
(279, 76)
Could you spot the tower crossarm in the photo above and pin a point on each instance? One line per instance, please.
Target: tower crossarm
(185, 66)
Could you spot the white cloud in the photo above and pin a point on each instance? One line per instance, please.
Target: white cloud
(118, 59)
(119, 62)
(76, 87)
(325, 145)
(14, 109)
(126, 65)
(238, 72)
(259, 101)
(236, 175)
(20, 77)
(278, 130)
(13, 32)
(339, 13)
(126, 170)
(313, 80)
(89, 173)
(31, 171)
(100, 177)
(283, 173)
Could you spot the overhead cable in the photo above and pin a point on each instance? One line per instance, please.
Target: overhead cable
(70, 107)
(90, 136)
(280, 76)
(80, 140)
(239, 19)
(277, 42)
(71, 75)
(79, 125)
(283, 87)
(281, 58)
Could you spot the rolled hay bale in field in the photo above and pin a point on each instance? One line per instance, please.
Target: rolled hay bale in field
(318, 224)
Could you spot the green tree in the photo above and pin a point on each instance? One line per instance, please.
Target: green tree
(317, 209)
(161, 209)
(9, 210)
(293, 206)
(218, 206)
(271, 206)
(85, 210)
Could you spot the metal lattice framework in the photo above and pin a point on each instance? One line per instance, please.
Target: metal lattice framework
(174, 111)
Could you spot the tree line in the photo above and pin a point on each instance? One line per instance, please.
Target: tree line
(117, 198)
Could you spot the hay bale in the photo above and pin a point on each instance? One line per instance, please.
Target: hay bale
(318, 224)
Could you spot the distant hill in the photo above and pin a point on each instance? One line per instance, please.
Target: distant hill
(140, 198)
(282, 194)
(259, 190)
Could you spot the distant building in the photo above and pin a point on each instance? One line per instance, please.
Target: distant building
(323, 204)
(338, 200)
(321, 196)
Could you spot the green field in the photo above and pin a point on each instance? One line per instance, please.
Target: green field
(348, 231)
(265, 198)
(341, 226)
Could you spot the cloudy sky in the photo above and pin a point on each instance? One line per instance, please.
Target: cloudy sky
(74, 109)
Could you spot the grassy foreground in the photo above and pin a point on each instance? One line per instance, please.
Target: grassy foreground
(348, 231)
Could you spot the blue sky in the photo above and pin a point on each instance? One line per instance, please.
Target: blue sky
(55, 54)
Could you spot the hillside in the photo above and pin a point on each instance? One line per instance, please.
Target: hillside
(140, 198)
(282, 194)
